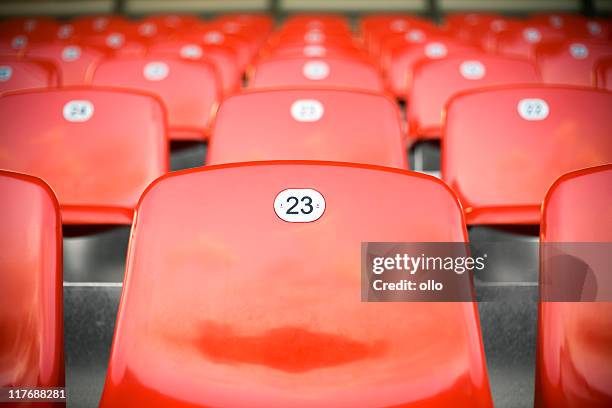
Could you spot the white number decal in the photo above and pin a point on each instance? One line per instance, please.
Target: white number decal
(532, 35)
(191, 51)
(533, 109)
(579, 51)
(314, 36)
(71, 53)
(6, 73)
(78, 111)
(307, 110)
(65, 31)
(115, 40)
(100, 24)
(147, 29)
(299, 205)
(19, 42)
(594, 27)
(315, 70)
(472, 70)
(314, 51)
(435, 50)
(498, 25)
(415, 36)
(156, 71)
(398, 26)
(213, 37)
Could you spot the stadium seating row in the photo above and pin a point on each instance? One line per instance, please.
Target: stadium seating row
(308, 341)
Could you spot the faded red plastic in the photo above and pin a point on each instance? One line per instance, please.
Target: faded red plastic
(258, 125)
(31, 312)
(350, 73)
(570, 62)
(97, 168)
(435, 81)
(19, 74)
(574, 364)
(270, 311)
(501, 165)
(190, 91)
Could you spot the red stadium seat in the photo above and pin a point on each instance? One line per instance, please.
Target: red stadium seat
(574, 366)
(313, 51)
(502, 148)
(223, 58)
(435, 81)
(270, 312)
(190, 89)
(522, 39)
(98, 149)
(31, 312)
(19, 74)
(570, 62)
(603, 74)
(401, 60)
(376, 28)
(75, 62)
(337, 72)
(313, 124)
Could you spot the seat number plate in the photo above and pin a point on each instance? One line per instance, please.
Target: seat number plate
(299, 205)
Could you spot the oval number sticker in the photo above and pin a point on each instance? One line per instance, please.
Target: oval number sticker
(299, 205)
(78, 111)
(156, 71)
(315, 70)
(533, 109)
(472, 70)
(307, 110)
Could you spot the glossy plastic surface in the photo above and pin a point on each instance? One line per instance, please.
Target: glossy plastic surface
(570, 62)
(31, 312)
(190, 90)
(574, 348)
(260, 125)
(350, 73)
(501, 164)
(435, 81)
(26, 74)
(97, 168)
(75, 62)
(270, 311)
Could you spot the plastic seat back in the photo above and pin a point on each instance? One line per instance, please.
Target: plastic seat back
(98, 149)
(308, 124)
(401, 60)
(74, 62)
(502, 148)
(31, 312)
(570, 62)
(435, 81)
(190, 89)
(574, 337)
(350, 73)
(18, 74)
(270, 310)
